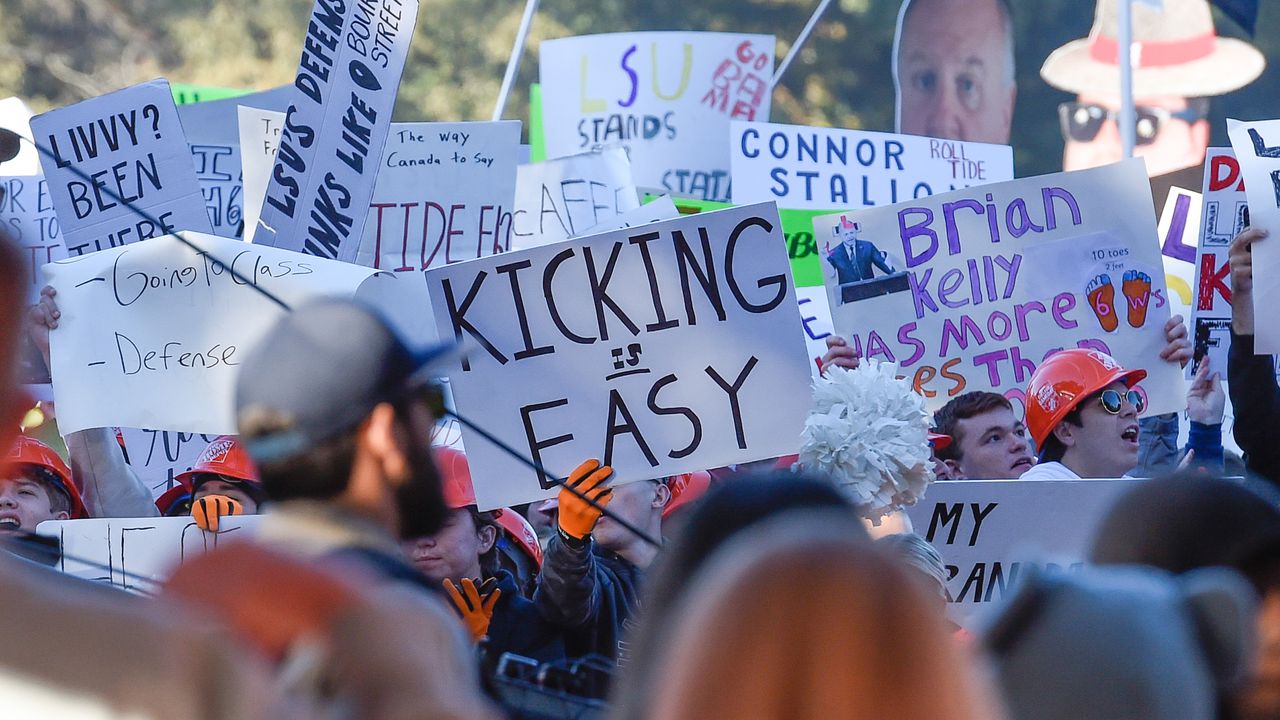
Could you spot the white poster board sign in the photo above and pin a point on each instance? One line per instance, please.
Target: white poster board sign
(259, 137)
(158, 456)
(129, 552)
(128, 143)
(988, 532)
(656, 210)
(26, 211)
(815, 316)
(16, 116)
(445, 194)
(971, 289)
(1178, 226)
(564, 197)
(151, 335)
(1223, 217)
(664, 349)
(814, 168)
(667, 96)
(336, 126)
(1257, 149)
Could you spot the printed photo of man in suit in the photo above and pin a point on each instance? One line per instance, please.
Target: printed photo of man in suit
(854, 258)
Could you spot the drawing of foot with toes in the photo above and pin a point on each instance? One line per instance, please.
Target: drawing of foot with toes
(1137, 290)
(1102, 295)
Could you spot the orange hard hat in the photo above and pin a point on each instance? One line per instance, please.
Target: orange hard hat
(685, 489)
(455, 477)
(520, 532)
(29, 451)
(224, 456)
(1063, 380)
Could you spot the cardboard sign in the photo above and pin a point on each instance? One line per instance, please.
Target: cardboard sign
(259, 138)
(663, 349)
(1257, 149)
(129, 552)
(989, 532)
(152, 335)
(1222, 218)
(971, 289)
(129, 143)
(212, 130)
(26, 211)
(666, 96)
(563, 198)
(158, 456)
(445, 194)
(16, 116)
(327, 164)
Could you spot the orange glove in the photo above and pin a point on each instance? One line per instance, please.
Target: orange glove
(576, 517)
(475, 605)
(206, 511)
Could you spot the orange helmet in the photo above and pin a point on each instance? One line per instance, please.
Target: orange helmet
(29, 451)
(520, 532)
(455, 477)
(685, 489)
(224, 456)
(1063, 380)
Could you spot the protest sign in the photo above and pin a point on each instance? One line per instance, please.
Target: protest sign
(1257, 150)
(26, 211)
(656, 210)
(159, 456)
(691, 323)
(562, 198)
(190, 93)
(989, 532)
(1224, 217)
(127, 552)
(15, 116)
(1177, 228)
(815, 316)
(113, 158)
(971, 289)
(445, 194)
(259, 137)
(152, 334)
(666, 96)
(328, 160)
(212, 132)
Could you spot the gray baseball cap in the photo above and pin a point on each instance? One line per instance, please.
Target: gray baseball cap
(319, 372)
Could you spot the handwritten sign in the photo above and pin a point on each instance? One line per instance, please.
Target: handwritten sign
(259, 138)
(26, 211)
(666, 96)
(1223, 217)
(445, 194)
(989, 532)
(690, 325)
(1179, 222)
(337, 123)
(152, 335)
(1257, 149)
(563, 198)
(159, 456)
(656, 210)
(969, 290)
(138, 553)
(114, 155)
(16, 117)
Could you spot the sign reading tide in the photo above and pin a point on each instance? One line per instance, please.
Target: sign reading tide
(969, 290)
(666, 96)
(152, 335)
(667, 348)
(112, 156)
(327, 162)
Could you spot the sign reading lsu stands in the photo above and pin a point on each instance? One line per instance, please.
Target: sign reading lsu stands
(666, 348)
(971, 289)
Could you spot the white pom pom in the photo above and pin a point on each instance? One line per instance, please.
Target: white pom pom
(870, 434)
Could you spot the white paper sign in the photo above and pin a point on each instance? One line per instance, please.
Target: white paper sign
(988, 532)
(563, 198)
(259, 137)
(16, 116)
(1179, 223)
(813, 168)
(327, 163)
(667, 96)
(656, 210)
(159, 456)
(1222, 219)
(815, 315)
(129, 552)
(1257, 148)
(445, 194)
(663, 349)
(128, 143)
(26, 211)
(971, 289)
(151, 335)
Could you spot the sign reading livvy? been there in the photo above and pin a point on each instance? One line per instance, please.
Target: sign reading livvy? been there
(565, 197)
(667, 96)
(666, 348)
(1257, 148)
(327, 162)
(970, 290)
(113, 158)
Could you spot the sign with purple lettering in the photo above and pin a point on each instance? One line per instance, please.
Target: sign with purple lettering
(663, 349)
(565, 197)
(812, 168)
(668, 97)
(445, 194)
(328, 158)
(1257, 148)
(969, 290)
(26, 212)
(113, 158)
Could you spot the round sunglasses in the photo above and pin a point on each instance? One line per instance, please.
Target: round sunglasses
(1082, 121)
(1113, 400)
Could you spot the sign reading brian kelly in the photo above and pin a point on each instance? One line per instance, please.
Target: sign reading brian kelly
(667, 348)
